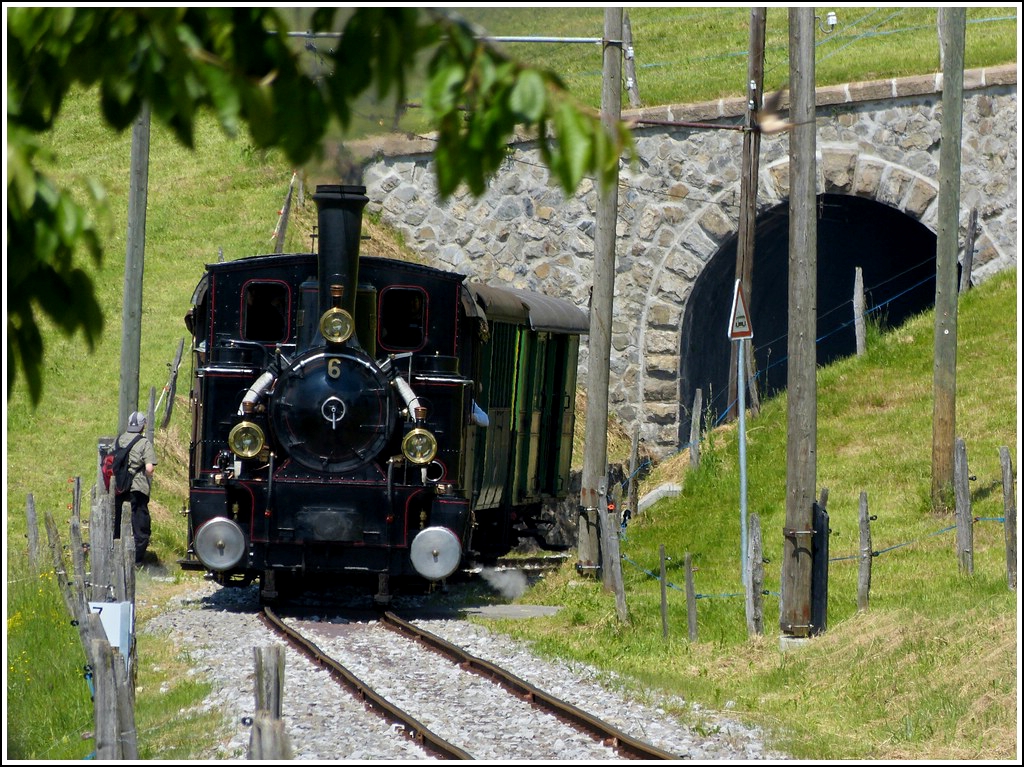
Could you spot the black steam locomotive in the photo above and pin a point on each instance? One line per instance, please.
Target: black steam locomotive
(370, 420)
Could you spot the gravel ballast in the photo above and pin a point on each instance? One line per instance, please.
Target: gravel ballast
(219, 629)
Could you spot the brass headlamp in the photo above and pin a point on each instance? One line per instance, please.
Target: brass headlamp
(336, 324)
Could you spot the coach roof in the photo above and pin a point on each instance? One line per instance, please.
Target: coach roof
(522, 307)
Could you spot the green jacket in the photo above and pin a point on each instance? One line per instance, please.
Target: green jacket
(142, 452)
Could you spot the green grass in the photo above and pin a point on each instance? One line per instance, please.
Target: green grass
(687, 54)
(44, 663)
(926, 626)
(930, 670)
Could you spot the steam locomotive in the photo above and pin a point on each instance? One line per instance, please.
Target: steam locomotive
(368, 420)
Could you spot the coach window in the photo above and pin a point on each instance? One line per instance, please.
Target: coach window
(403, 318)
(265, 312)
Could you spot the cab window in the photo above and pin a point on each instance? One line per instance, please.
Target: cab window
(265, 312)
(403, 318)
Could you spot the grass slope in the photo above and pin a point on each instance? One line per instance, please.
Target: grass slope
(930, 670)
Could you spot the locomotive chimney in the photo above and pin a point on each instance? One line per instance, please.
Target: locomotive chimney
(339, 227)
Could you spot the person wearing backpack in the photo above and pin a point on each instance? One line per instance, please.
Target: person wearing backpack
(141, 462)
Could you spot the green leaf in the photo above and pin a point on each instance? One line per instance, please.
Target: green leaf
(528, 96)
(21, 176)
(225, 97)
(258, 109)
(68, 220)
(444, 89)
(574, 137)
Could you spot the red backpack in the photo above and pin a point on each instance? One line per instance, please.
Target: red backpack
(107, 470)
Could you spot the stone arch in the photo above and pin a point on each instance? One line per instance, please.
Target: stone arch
(853, 184)
(685, 255)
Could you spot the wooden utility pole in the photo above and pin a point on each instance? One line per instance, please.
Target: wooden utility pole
(952, 28)
(131, 310)
(594, 492)
(748, 196)
(801, 419)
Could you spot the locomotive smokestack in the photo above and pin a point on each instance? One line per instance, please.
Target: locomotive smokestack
(339, 223)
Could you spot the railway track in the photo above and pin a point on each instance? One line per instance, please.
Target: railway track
(600, 733)
(428, 740)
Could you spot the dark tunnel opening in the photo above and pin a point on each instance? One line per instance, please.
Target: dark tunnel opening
(895, 253)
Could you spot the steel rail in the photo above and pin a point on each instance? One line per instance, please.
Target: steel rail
(604, 732)
(418, 732)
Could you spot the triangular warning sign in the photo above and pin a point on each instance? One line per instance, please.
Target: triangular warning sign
(739, 322)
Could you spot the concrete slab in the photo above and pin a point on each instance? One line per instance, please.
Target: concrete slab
(668, 490)
(512, 611)
(792, 644)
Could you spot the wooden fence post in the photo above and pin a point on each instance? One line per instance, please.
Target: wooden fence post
(151, 414)
(113, 705)
(124, 679)
(964, 520)
(33, 533)
(753, 397)
(104, 447)
(858, 311)
(664, 594)
(102, 548)
(632, 88)
(968, 262)
(269, 688)
(866, 555)
(77, 544)
(114, 690)
(112, 559)
(1009, 517)
(691, 599)
(755, 566)
(269, 738)
(698, 403)
(73, 600)
(120, 566)
(101, 538)
(634, 460)
(611, 560)
(819, 565)
(104, 701)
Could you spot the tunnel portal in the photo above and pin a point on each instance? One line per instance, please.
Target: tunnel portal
(895, 253)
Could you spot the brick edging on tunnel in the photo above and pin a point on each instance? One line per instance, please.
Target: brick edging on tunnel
(847, 93)
(400, 144)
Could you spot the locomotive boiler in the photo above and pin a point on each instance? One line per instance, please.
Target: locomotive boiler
(370, 421)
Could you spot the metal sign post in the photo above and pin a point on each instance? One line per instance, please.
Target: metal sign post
(740, 331)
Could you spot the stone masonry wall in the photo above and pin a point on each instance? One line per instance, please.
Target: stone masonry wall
(678, 205)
